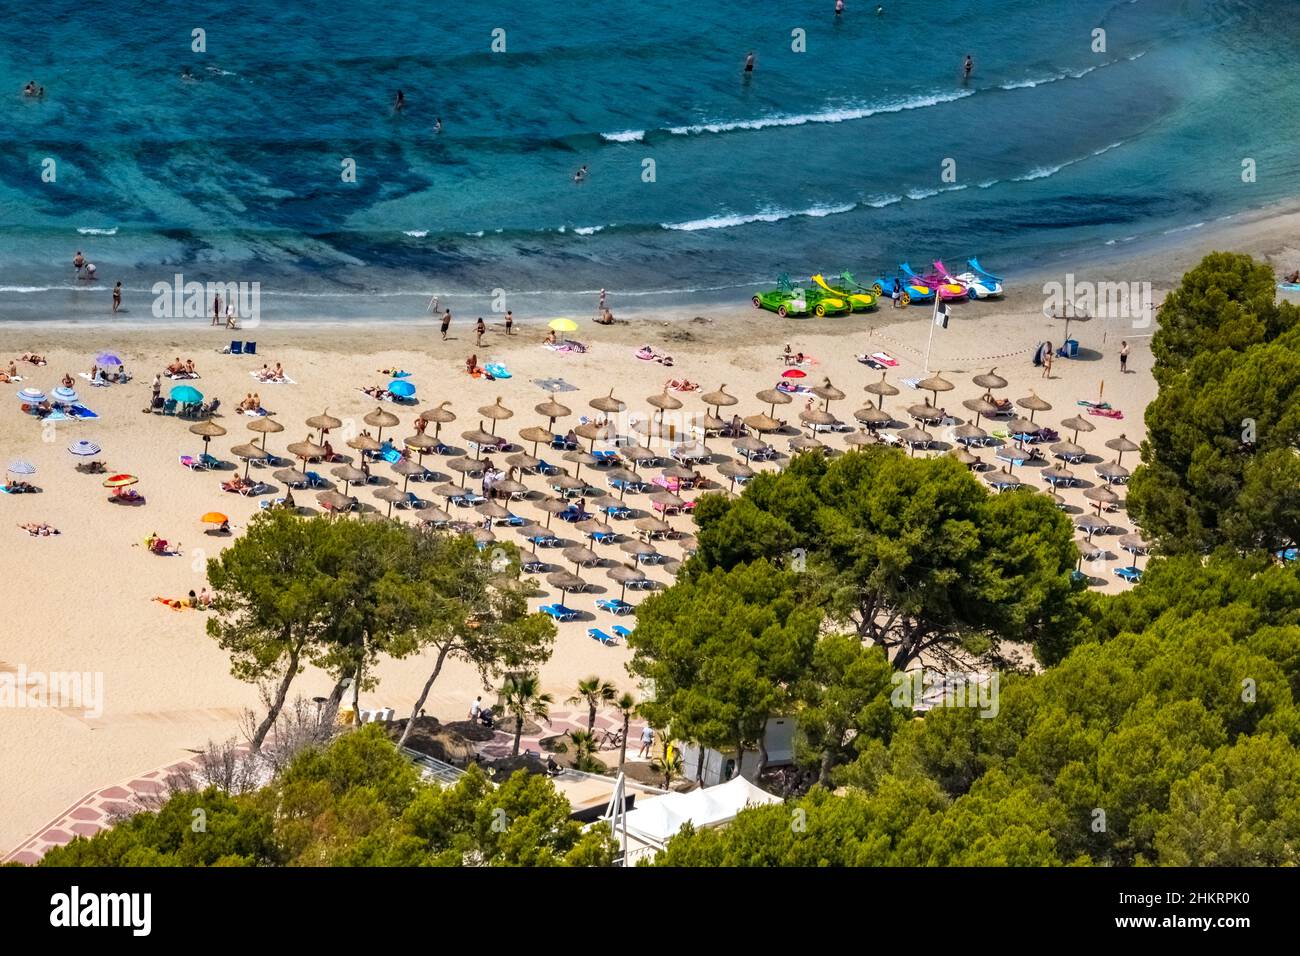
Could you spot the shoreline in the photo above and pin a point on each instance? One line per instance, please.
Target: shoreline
(1263, 232)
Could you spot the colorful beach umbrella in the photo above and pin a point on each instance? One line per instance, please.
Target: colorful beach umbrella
(214, 517)
(31, 396)
(120, 481)
(794, 373)
(401, 387)
(84, 447)
(21, 467)
(107, 358)
(563, 325)
(64, 395)
(187, 394)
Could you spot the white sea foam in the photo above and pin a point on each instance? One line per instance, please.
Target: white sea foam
(833, 115)
(624, 136)
(416, 233)
(92, 231)
(588, 230)
(730, 220)
(1064, 74)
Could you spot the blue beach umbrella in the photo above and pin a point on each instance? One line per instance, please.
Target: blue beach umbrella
(21, 467)
(403, 388)
(83, 447)
(107, 358)
(187, 394)
(63, 395)
(32, 396)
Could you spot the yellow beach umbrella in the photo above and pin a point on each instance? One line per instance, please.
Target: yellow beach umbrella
(563, 325)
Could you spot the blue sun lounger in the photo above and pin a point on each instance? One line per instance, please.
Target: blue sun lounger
(1131, 575)
(596, 634)
(544, 540)
(615, 606)
(621, 631)
(559, 612)
(314, 480)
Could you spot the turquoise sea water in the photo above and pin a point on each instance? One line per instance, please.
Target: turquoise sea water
(826, 159)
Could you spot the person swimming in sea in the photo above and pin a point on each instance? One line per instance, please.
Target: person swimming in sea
(970, 65)
(749, 62)
(399, 103)
(580, 175)
(437, 125)
(187, 76)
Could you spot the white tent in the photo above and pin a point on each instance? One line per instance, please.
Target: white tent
(658, 818)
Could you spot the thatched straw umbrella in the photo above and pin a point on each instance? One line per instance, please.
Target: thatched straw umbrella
(348, 474)
(623, 575)
(305, 450)
(439, 415)
(265, 426)
(324, 422)
(773, 397)
(496, 412)
(381, 418)
(207, 430)
(250, 453)
(828, 393)
(1121, 445)
(935, 384)
(392, 495)
(1077, 423)
(881, 389)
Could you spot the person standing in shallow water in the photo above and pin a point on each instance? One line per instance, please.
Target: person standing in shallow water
(749, 63)
(117, 297)
(966, 69)
(446, 323)
(479, 329)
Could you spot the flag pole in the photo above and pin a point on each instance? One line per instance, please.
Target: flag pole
(933, 319)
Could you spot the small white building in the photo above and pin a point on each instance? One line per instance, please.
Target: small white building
(720, 765)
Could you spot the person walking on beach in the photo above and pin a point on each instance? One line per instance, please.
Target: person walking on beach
(117, 297)
(1123, 357)
(216, 309)
(970, 65)
(510, 322)
(479, 329)
(1047, 361)
(647, 738)
(446, 323)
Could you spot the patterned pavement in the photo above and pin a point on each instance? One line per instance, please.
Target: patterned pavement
(97, 810)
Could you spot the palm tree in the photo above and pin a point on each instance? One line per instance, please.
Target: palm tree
(585, 746)
(525, 701)
(625, 705)
(594, 692)
(669, 764)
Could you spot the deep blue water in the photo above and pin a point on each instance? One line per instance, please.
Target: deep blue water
(826, 159)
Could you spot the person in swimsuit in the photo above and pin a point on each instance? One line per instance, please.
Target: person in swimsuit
(399, 103)
(117, 297)
(510, 322)
(749, 62)
(446, 323)
(970, 65)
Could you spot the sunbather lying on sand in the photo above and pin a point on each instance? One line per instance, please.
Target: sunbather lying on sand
(33, 358)
(682, 385)
(191, 600)
(39, 529)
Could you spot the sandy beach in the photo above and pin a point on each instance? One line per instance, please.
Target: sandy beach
(82, 600)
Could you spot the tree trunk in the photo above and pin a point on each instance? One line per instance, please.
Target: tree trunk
(622, 750)
(699, 764)
(428, 685)
(281, 693)
(828, 762)
(356, 697)
(519, 732)
(740, 755)
(591, 717)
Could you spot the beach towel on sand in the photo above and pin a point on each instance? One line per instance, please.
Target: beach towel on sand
(285, 380)
(497, 370)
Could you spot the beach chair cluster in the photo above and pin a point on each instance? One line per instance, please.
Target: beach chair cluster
(238, 347)
(596, 634)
